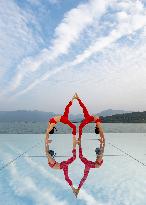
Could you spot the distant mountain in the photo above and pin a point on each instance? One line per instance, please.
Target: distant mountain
(110, 112)
(133, 117)
(23, 115)
(39, 116)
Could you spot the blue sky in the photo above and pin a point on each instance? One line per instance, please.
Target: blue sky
(51, 49)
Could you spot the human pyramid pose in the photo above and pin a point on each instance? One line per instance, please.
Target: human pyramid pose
(64, 164)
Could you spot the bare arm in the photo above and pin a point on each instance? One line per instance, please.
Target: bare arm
(101, 133)
(100, 157)
(49, 128)
(47, 141)
(46, 146)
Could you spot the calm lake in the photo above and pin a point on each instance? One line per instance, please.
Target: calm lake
(40, 127)
(26, 178)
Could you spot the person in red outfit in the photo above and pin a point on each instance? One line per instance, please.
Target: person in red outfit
(90, 164)
(89, 118)
(64, 164)
(64, 119)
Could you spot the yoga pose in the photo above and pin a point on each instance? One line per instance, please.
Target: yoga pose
(89, 164)
(64, 164)
(89, 118)
(64, 119)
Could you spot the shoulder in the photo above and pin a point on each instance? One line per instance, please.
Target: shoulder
(97, 119)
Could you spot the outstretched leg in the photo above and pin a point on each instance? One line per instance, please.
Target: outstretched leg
(85, 111)
(66, 111)
(83, 159)
(82, 125)
(64, 165)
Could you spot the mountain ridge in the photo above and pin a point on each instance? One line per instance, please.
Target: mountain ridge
(40, 116)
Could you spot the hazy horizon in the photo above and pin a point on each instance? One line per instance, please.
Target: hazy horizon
(72, 113)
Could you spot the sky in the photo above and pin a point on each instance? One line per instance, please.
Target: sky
(51, 49)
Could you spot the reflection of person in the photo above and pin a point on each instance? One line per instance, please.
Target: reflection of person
(89, 118)
(64, 119)
(90, 164)
(64, 164)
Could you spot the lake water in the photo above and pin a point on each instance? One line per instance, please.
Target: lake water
(28, 180)
(40, 127)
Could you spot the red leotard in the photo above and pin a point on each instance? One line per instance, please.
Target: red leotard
(64, 165)
(98, 120)
(88, 118)
(52, 120)
(64, 119)
(52, 165)
(88, 165)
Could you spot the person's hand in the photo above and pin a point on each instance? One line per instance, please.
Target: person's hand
(74, 97)
(49, 141)
(101, 140)
(79, 141)
(74, 191)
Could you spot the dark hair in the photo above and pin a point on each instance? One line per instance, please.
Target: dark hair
(52, 131)
(98, 151)
(52, 153)
(96, 130)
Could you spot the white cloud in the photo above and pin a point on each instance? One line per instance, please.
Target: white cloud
(88, 198)
(66, 33)
(16, 37)
(26, 186)
(130, 19)
(74, 23)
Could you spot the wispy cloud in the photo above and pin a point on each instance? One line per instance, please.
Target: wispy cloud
(127, 24)
(16, 37)
(66, 34)
(26, 186)
(81, 49)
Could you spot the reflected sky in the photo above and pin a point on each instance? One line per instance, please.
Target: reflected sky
(29, 180)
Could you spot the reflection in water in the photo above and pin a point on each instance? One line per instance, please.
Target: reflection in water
(90, 164)
(64, 165)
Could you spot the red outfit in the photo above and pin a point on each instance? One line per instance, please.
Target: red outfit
(52, 120)
(64, 119)
(88, 165)
(64, 165)
(52, 165)
(88, 118)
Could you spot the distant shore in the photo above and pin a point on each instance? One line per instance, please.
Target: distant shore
(40, 128)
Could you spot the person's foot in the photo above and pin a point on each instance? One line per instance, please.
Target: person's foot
(76, 192)
(77, 97)
(79, 141)
(74, 97)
